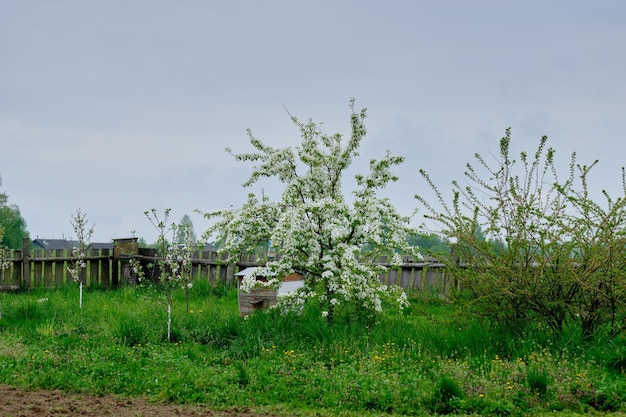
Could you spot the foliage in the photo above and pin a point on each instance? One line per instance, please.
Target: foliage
(185, 231)
(12, 225)
(141, 242)
(432, 358)
(597, 238)
(315, 229)
(429, 243)
(529, 249)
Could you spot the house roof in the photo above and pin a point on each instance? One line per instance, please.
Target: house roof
(55, 243)
(101, 245)
(209, 248)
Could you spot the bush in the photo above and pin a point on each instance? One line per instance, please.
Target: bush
(533, 250)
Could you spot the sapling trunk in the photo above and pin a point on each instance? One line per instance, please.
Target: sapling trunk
(169, 320)
(187, 297)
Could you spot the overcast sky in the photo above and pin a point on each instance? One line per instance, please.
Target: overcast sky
(117, 107)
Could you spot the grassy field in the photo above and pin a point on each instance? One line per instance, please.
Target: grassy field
(431, 359)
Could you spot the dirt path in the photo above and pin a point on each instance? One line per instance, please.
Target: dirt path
(19, 403)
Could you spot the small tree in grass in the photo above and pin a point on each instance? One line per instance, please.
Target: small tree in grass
(78, 266)
(314, 227)
(173, 261)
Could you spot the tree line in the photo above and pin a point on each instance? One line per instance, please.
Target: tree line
(12, 225)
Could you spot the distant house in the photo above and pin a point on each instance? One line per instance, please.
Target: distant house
(208, 248)
(54, 244)
(101, 245)
(64, 244)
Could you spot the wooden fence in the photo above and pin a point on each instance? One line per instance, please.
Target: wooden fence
(27, 268)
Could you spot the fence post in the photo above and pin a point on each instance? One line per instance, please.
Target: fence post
(26, 262)
(115, 272)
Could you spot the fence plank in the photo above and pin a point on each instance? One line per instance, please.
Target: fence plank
(59, 267)
(213, 268)
(105, 271)
(195, 266)
(26, 263)
(393, 276)
(417, 279)
(405, 278)
(5, 269)
(16, 275)
(48, 278)
(204, 267)
(16, 268)
(93, 266)
(37, 268)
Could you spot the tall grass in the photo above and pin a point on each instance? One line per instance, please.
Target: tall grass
(432, 358)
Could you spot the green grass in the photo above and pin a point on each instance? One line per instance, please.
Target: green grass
(431, 359)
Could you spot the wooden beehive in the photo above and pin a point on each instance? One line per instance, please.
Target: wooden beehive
(260, 298)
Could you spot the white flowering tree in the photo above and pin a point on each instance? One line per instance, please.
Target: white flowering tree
(335, 242)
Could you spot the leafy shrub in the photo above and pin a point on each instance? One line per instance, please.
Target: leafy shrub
(532, 249)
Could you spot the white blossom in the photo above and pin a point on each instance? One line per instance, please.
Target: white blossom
(334, 244)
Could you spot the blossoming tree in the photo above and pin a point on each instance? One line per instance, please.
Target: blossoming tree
(333, 241)
(78, 267)
(173, 264)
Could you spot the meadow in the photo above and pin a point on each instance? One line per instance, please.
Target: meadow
(431, 359)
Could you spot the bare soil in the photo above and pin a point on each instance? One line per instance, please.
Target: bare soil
(20, 403)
